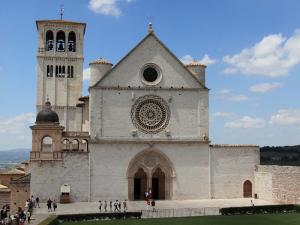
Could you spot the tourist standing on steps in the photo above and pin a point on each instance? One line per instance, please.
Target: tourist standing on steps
(110, 205)
(54, 205)
(49, 205)
(100, 205)
(105, 206)
(37, 202)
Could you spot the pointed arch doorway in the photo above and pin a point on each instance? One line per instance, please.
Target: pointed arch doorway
(150, 169)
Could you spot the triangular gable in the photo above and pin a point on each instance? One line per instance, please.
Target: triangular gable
(176, 60)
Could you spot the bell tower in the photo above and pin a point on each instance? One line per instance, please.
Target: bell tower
(60, 69)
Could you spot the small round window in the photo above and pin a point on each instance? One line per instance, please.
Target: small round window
(151, 74)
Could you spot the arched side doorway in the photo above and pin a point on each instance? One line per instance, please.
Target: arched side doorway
(247, 189)
(150, 169)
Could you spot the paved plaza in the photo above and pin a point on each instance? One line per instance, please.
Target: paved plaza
(133, 206)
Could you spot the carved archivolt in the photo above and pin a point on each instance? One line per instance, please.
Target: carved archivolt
(149, 161)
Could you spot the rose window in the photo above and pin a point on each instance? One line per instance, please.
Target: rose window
(150, 114)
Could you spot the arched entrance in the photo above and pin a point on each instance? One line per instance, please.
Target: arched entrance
(247, 189)
(158, 184)
(140, 184)
(150, 169)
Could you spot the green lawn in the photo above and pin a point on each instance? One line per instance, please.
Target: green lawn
(258, 219)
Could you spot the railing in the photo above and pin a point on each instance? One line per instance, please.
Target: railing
(184, 212)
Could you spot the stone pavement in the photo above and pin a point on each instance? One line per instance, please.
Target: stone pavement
(133, 206)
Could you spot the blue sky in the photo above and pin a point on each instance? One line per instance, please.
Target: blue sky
(252, 49)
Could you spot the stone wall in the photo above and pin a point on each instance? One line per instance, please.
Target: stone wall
(231, 166)
(19, 194)
(109, 164)
(48, 176)
(4, 197)
(282, 183)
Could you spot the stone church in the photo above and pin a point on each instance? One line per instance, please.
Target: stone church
(144, 124)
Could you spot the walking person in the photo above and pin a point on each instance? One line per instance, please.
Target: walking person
(54, 205)
(116, 206)
(37, 202)
(28, 214)
(119, 206)
(100, 205)
(105, 206)
(125, 205)
(49, 205)
(110, 205)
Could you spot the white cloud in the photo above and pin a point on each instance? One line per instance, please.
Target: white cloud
(286, 117)
(225, 91)
(227, 94)
(223, 114)
(86, 74)
(17, 124)
(238, 98)
(107, 7)
(265, 87)
(273, 56)
(206, 60)
(246, 122)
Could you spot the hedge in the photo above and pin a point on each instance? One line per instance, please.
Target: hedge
(260, 209)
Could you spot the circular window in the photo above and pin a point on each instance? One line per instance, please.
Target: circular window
(151, 74)
(150, 114)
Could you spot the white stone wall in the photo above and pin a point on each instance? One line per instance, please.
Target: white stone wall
(49, 176)
(263, 185)
(109, 163)
(231, 166)
(111, 113)
(284, 186)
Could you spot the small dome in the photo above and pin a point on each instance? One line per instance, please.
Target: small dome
(101, 61)
(47, 115)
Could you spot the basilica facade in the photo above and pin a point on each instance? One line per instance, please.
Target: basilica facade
(144, 125)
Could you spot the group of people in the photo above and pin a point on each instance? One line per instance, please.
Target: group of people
(19, 218)
(149, 199)
(117, 206)
(51, 204)
(4, 213)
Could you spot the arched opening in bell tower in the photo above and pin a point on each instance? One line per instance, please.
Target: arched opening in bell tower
(60, 41)
(72, 42)
(49, 40)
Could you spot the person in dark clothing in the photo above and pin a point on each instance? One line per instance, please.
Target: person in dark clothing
(37, 202)
(153, 205)
(49, 205)
(110, 205)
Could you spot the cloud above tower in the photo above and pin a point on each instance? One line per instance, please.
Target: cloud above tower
(107, 7)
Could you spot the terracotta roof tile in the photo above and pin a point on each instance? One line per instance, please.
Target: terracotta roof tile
(195, 63)
(101, 61)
